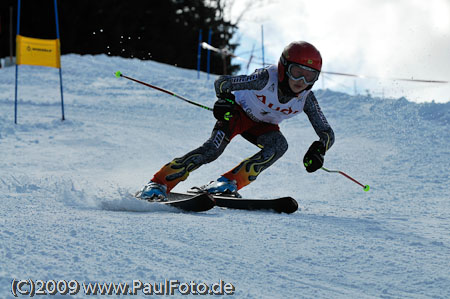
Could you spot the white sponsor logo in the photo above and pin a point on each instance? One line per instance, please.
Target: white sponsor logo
(218, 138)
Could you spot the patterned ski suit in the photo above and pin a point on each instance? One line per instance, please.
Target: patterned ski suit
(261, 107)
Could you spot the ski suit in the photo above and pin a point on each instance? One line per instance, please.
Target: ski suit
(261, 107)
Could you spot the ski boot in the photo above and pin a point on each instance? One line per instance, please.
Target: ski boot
(153, 192)
(222, 186)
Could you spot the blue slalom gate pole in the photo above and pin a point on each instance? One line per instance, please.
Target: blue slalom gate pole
(199, 53)
(60, 67)
(209, 52)
(15, 99)
(17, 69)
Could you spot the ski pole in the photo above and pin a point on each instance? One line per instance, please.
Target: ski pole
(365, 187)
(119, 74)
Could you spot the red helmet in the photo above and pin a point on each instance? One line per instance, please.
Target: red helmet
(299, 52)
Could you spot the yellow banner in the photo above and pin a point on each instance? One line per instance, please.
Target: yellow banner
(35, 51)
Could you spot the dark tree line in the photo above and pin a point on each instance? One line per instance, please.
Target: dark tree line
(162, 30)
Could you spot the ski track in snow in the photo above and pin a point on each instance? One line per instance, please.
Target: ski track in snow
(67, 212)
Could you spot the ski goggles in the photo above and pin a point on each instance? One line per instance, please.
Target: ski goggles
(298, 72)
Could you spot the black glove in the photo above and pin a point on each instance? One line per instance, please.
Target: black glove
(313, 159)
(224, 107)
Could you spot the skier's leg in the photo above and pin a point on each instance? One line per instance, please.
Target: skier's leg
(273, 145)
(179, 168)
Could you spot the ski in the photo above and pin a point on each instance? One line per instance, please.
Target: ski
(188, 202)
(285, 204)
(201, 202)
(281, 205)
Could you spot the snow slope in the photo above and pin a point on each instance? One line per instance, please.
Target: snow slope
(66, 213)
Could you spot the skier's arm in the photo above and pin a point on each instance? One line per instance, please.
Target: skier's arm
(255, 81)
(318, 121)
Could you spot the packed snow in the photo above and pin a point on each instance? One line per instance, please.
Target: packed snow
(67, 213)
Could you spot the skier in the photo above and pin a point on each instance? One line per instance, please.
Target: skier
(260, 102)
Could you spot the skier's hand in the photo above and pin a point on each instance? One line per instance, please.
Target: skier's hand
(313, 159)
(224, 106)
